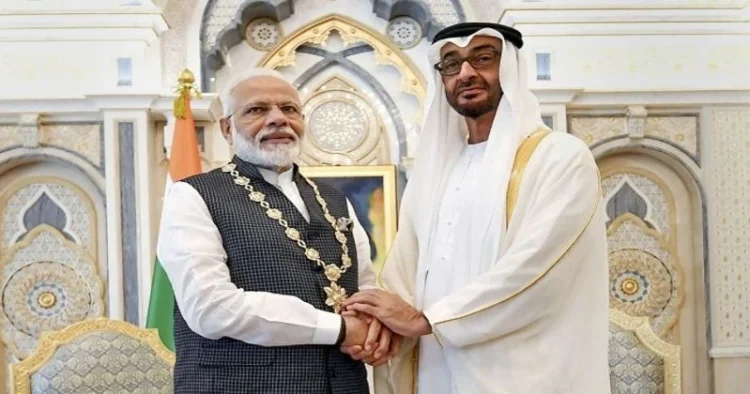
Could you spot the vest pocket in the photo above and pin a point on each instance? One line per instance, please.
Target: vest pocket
(257, 357)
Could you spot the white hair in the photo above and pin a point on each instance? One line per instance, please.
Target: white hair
(250, 149)
(227, 101)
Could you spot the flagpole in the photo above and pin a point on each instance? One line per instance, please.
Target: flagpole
(183, 155)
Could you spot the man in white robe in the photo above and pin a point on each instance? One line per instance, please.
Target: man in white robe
(498, 274)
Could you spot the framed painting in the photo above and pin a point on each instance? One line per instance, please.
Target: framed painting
(373, 195)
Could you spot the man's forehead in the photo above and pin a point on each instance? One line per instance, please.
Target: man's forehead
(266, 88)
(476, 42)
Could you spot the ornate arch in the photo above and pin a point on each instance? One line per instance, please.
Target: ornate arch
(12, 158)
(223, 22)
(318, 31)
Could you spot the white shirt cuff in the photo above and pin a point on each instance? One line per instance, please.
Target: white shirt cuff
(328, 328)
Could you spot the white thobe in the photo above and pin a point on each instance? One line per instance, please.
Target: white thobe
(536, 320)
(191, 251)
(434, 374)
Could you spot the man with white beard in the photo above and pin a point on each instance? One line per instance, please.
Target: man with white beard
(261, 258)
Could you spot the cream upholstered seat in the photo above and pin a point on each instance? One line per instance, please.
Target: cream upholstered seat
(96, 356)
(639, 361)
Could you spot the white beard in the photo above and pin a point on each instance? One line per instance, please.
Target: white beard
(273, 156)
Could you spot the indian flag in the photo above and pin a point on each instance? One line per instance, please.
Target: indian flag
(184, 161)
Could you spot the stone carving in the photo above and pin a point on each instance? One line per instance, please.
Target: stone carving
(28, 130)
(645, 278)
(634, 369)
(47, 284)
(218, 15)
(84, 139)
(642, 196)
(640, 361)
(443, 11)
(343, 126)
(404, 31)
(729, 234)
(639, 283)
(51, 202)
(263, 33)
(338, 126)
(680, 130)
(595, 129)
(9, 136)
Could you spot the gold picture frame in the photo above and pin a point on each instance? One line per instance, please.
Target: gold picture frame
(372, 191)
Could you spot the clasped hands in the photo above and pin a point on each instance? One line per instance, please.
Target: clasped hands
(376, 323)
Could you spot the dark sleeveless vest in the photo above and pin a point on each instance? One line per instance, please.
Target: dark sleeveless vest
(261, 258)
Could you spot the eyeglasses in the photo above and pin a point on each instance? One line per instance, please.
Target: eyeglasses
(478, 61)
(261, 110)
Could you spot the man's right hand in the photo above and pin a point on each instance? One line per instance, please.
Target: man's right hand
(356, 331)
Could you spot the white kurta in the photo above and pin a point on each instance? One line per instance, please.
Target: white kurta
(535, 321)
(435, 373)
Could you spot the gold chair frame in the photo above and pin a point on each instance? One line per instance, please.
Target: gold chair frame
(49, 342)
(671, 354)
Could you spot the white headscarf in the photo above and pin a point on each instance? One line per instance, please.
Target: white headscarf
(441, 141)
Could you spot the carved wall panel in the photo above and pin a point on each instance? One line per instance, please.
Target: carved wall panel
(656, 272)
(343, 128)
(595, 129)
(84, 139)
(730, 234)
(679, 130)
(645, 277)
(9, 136)
(48, 261)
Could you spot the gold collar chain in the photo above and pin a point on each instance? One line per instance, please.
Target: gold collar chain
(336, 295)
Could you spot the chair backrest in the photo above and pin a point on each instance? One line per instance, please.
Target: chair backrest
(640, 361)
(96, 356)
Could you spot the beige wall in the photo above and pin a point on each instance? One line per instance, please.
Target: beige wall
(730, 375)
(3, 377)
(728, 184)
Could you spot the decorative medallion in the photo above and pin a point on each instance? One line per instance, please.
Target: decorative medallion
(640, 284)
(48, 283)
(343, 126)
(338, 126)
(404, 31)
(644, 276)
(263, 33)
(45, 296)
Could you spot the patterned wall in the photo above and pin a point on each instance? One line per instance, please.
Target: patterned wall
(343, 127)
(646, 279)
(645, 276)
(729, 230)
(49, 251)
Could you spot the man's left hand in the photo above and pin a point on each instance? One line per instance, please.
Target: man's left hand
(391, 310)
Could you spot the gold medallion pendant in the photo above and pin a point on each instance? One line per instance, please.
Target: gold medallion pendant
(335, 294)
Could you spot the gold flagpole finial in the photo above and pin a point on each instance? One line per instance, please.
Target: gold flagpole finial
(185, 89)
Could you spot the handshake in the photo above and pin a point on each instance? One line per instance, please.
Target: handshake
(376, 323)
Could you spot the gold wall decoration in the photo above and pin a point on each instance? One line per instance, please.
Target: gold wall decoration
(351, 31)
(46, 283)
(641, 262)
(669, 353)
